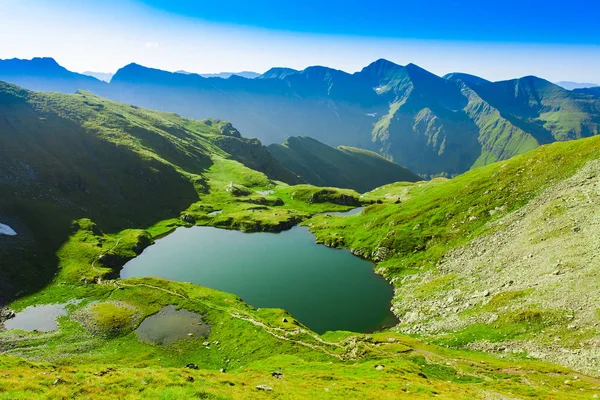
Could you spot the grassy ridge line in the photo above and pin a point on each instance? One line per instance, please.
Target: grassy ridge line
(344, 167)
(443, 214)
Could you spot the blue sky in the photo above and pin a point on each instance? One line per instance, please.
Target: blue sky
(493, 39)
(549, 21)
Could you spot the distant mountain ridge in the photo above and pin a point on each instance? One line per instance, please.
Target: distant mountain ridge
(575, 85)
(46, 75)
(103, 76)
(224, 75)
(433, 125)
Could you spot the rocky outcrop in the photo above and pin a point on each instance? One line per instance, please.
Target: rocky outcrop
(334, 197)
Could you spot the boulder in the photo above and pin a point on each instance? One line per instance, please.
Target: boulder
(276, 374)
(187, 218)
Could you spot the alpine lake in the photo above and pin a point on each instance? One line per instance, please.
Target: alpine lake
(326, 289)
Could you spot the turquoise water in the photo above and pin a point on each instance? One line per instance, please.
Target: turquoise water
(324, 288)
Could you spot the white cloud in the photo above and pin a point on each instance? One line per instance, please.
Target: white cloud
(151, 45)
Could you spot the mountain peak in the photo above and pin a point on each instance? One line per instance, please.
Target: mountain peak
(466, 78)
(278, 73)
(380, 67)
(382, 62)
(414, 69)
(48, 61)
(381, 72)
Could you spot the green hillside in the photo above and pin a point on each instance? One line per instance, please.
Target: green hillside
(435, 126)
(344, 167)
(88, 183)
(66, 157)
(502, 258)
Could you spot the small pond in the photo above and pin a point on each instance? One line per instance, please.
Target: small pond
(170, 325)
(324, 288)
(41, 318)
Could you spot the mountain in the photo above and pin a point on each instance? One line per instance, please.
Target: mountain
(344, 167)
(45, 74)
(433, 125)
(278, 73)
(575, 85)
(65, 157)
(593, 91)
(224, 75)
(486, 295)
(103, 76)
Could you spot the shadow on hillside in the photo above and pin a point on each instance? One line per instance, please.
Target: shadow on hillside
(55, 171)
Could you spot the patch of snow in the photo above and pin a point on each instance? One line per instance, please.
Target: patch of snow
(7, 230)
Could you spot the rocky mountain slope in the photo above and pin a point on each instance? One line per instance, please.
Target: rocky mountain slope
(89, 183)
(430, 124)
(344, 167)
(501, 258)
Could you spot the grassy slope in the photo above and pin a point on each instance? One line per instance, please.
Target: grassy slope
(106, 359)
(65, 157)
(413, 239)
(403, 112)
(494, 121)
(345, 167)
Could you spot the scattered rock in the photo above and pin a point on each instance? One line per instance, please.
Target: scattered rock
(264, 388)
(284, 320)
(379, 367)
(493, 318)
(191, 366)
(382, 254)
(222, 370)
(188, 218)
(276, 375)
(189, 378)
(59, 381)
(6, 314)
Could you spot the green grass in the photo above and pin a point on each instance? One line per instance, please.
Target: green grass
(438, 216)
(83, 219)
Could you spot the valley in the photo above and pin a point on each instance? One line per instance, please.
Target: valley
(490, 303)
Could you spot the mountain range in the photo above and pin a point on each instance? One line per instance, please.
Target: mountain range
(103, 76)
(224, 75)
(433, 125)
(494, 272)
(576, 85)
